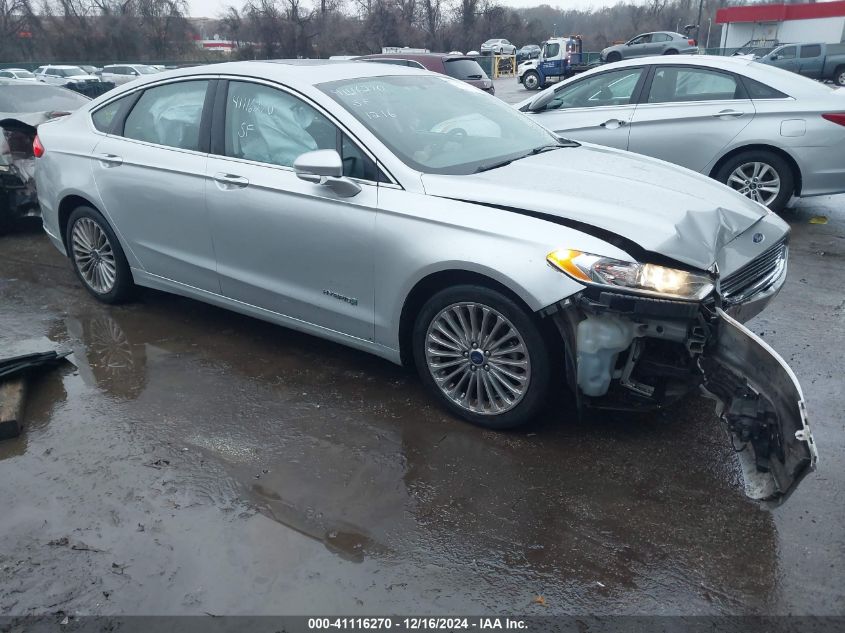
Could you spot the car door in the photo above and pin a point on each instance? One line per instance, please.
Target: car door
(659, 43)
(638, 47)
(810, 60)
(292, 247)
(595, 109)
(688, 114)
(150, 173)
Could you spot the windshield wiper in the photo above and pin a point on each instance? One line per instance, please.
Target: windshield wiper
(533, 152)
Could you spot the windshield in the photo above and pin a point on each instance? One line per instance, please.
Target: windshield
(71, 71)
(464, 69)
(39, 98)
(146, 70)
(23, 74)
(437, 125)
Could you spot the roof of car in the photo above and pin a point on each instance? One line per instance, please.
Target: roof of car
(414, 56)
(296, 71)
(57, 66)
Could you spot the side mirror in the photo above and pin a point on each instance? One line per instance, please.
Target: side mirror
(541, 101)
(324, 167)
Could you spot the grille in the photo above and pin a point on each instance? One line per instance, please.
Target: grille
(758, 270)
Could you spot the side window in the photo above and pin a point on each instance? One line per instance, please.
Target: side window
(757, 90)
(811, 50)
(660, 37)
(788, 52)
(672, 84)
(271, 126)
(4, 74)
(356, 164)
(104, 117)
(169, 115)
(606, 89)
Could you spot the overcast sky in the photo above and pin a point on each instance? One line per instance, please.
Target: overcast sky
(211, 8)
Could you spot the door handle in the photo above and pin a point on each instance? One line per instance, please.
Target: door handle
(733, 113)
(612, 124)
(231, 181)
(110, 160)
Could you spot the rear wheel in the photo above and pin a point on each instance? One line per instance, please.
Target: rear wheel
(482, 356)
(762, 176)
(531, 80)
(671, 51)
(613, 57)
(97, 257)
(839, 76)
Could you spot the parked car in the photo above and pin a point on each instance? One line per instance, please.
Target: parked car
(23, 106)
(457, 66)
(64, 75)
(498, 46)
(816, 61)
(660, 43)
(17, 73)
(765, 132)
(120, 74)
(398, 212)
(529, 51)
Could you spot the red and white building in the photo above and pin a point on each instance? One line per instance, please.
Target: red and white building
(817, 22)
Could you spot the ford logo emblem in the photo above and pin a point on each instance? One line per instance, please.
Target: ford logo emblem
(757, 238)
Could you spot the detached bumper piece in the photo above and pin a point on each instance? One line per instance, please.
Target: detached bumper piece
(762, 405)
(14, 373)
(633, 353)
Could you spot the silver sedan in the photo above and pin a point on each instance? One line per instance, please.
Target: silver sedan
(768, 133)
(411, 216)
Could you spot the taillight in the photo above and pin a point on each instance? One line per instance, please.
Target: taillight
(37, 147)
(837, 117)
(691, 42)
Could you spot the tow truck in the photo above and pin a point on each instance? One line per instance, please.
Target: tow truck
(559, 59)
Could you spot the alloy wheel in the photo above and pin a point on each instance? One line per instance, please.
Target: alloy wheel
(477, 358)
(758, 181)
(93, 255)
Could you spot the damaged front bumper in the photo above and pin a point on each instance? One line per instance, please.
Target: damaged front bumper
(630, 352)
(18, 197)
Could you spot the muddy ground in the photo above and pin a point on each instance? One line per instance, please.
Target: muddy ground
(196, 461)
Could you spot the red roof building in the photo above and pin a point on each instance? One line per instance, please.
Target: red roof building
(780, 23)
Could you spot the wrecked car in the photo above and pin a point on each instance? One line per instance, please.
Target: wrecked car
(410, 216)
(23, 106)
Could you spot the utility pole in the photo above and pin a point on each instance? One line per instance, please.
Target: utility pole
(698, 24)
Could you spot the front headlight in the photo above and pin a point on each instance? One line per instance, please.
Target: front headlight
(641, 278)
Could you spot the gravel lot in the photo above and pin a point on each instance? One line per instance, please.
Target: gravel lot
(197, 461)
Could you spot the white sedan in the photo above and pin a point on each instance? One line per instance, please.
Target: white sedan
(768, 133)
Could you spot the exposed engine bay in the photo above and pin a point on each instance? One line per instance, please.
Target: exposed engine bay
(17, 170)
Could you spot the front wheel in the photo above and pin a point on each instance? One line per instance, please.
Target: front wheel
(531, 80)
(762, 176)
(97, 257)
(482, 356)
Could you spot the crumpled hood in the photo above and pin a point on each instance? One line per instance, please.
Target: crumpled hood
(662, 208)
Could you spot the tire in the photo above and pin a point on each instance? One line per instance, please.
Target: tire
(671, 51)
(5, 213)
(782, 170)
(613, 57)
(839, 76)
(482, 402)
(108, 277)
(531, 80)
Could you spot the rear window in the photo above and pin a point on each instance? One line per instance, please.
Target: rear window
(813, 50)
(39, 98)
(464, 69)
(757, 90)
